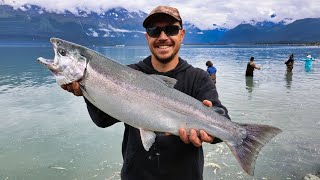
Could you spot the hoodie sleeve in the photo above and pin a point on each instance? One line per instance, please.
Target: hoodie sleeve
(207, 91)
(100, 118)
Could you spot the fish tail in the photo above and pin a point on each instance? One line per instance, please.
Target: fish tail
(257, 136)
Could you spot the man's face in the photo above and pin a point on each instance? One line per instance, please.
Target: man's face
(165, 48)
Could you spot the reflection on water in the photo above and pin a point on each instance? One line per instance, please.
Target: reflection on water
(288, 78)
(249, 84)
(46, 133)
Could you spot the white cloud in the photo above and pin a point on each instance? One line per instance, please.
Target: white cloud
(203, 13)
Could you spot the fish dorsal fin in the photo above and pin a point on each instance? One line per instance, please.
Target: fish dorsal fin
(147, 137)
(168, 81)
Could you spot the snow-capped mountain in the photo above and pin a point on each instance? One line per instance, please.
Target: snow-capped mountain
(120, 26)
(115, 26)
(33, 23)
(300, 31)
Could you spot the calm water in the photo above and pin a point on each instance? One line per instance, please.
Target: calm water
(46, 133)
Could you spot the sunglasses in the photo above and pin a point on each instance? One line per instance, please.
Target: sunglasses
(171, 30)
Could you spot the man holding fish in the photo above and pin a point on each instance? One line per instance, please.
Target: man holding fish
(168, 158)
(169, 97)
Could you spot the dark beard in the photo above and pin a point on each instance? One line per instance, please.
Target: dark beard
(166, 60)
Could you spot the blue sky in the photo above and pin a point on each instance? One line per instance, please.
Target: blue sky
(204, 14)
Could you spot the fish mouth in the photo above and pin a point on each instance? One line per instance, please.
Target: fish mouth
(49, 63)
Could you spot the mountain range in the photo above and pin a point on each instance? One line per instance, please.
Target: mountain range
(119, 26)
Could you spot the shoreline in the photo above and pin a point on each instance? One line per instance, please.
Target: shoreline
(47, 43)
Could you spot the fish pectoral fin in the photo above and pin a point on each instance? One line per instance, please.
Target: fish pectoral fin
(219, 110)
(85, 94)
(168, 81)
(147, 137)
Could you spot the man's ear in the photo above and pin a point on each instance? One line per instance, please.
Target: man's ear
(182, 34)
(147, 37)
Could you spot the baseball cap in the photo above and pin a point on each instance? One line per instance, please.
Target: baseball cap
(162, 10)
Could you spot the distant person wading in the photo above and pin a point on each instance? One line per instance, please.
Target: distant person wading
(250, 67)
(289, 63)
(211, 70)
(308, 63)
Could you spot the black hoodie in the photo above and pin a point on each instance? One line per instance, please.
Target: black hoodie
(168, 158)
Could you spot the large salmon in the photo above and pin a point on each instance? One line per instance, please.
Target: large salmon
(150, 103)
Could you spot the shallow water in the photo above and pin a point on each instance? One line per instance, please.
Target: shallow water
(46, 133)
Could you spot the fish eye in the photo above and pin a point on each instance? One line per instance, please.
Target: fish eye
(62, 52)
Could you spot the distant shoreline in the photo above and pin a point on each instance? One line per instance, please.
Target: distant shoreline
(259, 44)
(45, 43)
